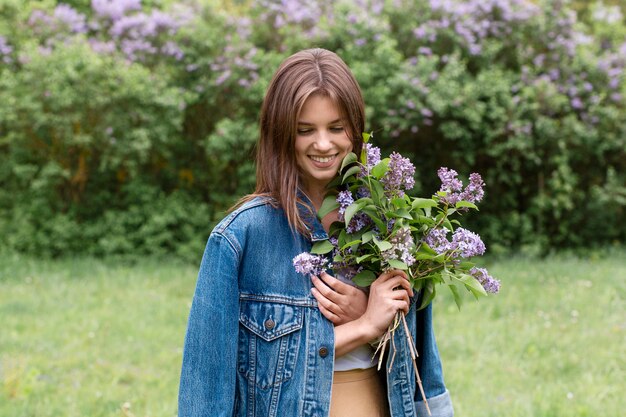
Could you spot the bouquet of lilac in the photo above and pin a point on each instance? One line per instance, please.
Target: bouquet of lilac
(382, 228)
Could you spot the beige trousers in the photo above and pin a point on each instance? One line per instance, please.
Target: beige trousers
(358, 393)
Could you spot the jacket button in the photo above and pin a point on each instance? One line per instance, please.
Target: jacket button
(269, 324)
(323, 351)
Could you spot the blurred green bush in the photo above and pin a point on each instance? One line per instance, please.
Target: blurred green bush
(128, 128)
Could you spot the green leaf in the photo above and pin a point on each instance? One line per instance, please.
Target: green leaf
(364, 278)
(394, 263)
(329, 204)
(457, 297)
(351, 171)
(472, 284)
(428, 293)
(352, 210)
(380, 169)
(399, 202)
(464, 203)
(383, 245)
(367, 236)
(347, 245)
(423, 203)
(322, 247)
(347, 160)
(366, 136)
(400, 213)
(377, 191)
(362, 258)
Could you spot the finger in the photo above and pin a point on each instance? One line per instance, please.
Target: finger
(325, 302)
(398, 282)
(402, 306)
(325, 290)
(335, 284)
(390, 274)
(328, 314)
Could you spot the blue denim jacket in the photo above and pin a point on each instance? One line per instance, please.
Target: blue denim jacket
(258, 346)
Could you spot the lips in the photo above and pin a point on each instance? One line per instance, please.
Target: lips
(323, 161)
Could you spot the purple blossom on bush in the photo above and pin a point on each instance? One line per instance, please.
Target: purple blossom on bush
(114, 9)
(489, 283)
(309, 264)
(437, 240)
(466, 243)
(450, 184)
(372, 157)
(344, 198)
(399, 177)
(402, 245)
(358, 222)
(474, 191)
(5, 50)
(74, 20)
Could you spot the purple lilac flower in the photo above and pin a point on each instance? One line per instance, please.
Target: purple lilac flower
(358, 222)
(489, 283)
(474, 191)
(402, 244)
(399, 177)
(437, 240)
(344, 198)
(466, 243)
(76, 21)
(5, 50)
(114, 9)
(451, 185)
(372, 156)
(309, 264)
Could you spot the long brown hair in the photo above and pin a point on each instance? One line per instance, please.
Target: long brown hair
(308, 72)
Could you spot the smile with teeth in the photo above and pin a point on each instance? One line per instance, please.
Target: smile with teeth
(323, 159)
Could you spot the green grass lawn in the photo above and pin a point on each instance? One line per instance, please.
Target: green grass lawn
(93, 338)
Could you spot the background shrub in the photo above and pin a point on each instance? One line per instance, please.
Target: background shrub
(128, 127)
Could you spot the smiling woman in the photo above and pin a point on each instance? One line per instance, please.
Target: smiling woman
(321, 144)
(263, 339)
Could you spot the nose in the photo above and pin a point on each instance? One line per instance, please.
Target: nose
(323, 142)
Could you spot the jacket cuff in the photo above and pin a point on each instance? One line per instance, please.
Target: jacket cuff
(440, 406)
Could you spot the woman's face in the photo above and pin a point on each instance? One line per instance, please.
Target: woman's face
(321, 142)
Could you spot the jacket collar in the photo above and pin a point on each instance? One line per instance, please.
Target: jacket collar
(309, 216)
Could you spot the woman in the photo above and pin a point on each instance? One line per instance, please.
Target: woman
(263, 340)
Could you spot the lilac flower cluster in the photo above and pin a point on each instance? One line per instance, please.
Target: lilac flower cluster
(402, 246)
(437, 240)
(489, 283)
(372, 156)
(5, 51)
(400, 176)
(116, 25)
(464, 244)
(474, 21)
(114, 10)
(453, 187)
(343, 268)
(309, 264)
(303, 14)
(345, 199)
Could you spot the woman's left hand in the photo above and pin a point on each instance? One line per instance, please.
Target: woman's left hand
(339, 302)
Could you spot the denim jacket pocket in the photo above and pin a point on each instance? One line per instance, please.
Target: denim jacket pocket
(269, 337)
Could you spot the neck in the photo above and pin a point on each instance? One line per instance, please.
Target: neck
(316, 196)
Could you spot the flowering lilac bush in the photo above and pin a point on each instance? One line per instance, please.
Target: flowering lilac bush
(397, 231)
(531, 94)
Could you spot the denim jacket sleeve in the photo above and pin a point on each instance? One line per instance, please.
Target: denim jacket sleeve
(208, 375)
(429, 364)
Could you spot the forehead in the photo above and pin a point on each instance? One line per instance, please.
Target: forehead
(320, 107)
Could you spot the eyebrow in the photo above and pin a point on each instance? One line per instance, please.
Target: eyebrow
(301, 122)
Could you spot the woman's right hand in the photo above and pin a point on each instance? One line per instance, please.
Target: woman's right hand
(389, 294)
